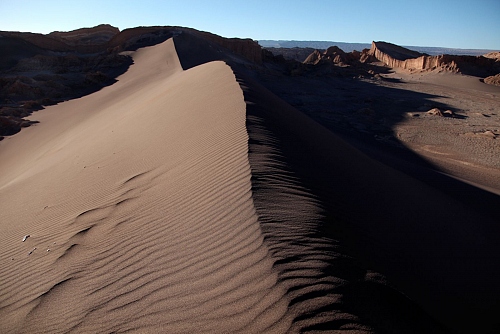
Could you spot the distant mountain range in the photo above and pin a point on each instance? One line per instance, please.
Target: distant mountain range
(349, 47)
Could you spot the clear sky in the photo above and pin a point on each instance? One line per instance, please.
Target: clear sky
(445, 23)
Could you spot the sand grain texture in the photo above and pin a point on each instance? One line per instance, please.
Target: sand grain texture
(142, 194)
(187, 197)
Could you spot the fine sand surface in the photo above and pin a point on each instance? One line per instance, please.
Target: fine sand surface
(137, 200)
(190, 198)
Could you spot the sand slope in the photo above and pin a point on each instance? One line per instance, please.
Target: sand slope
(138, 202)
(195, 200)
(341, 213)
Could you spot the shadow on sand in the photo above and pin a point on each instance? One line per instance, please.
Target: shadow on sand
(382, 207)
(434, 237)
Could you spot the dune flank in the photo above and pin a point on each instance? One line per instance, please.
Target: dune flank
(138, 203)
(186, 197)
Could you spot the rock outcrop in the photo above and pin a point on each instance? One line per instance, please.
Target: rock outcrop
(493, 80)
(337, 56)
(314, 58)
(398, 57)
(333, 54)
(493, 55)
(100, 34)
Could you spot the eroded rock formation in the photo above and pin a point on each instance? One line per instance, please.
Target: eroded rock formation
(337, 56)
(493, 80)
(493, 55)
(100, 34)
(398, 57)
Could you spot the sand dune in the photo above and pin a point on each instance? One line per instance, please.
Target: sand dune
(142, 194)
(189, 199)
(437, 250)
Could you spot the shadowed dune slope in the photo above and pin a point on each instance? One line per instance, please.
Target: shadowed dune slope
(331, 215)
(327, 207)
(331, 212)
(188, 198)
(138, 203)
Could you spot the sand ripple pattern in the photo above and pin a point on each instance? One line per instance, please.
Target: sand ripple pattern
(141, 213)
(329, 289)
(291, 216)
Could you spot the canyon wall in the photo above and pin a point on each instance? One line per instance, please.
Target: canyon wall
(398, 57)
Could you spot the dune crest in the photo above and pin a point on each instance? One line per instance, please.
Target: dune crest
(139, 208)
(199, 193)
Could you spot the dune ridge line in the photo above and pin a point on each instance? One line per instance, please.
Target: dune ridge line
(138, 201)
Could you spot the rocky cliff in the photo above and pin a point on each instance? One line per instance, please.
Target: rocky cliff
(398, 57)
(493, 55)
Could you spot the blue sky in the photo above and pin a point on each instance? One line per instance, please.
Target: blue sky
(446, 23)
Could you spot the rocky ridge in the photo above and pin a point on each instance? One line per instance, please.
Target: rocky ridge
(100, 34)
(394, 56)
(337, 56)
(398, 57)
